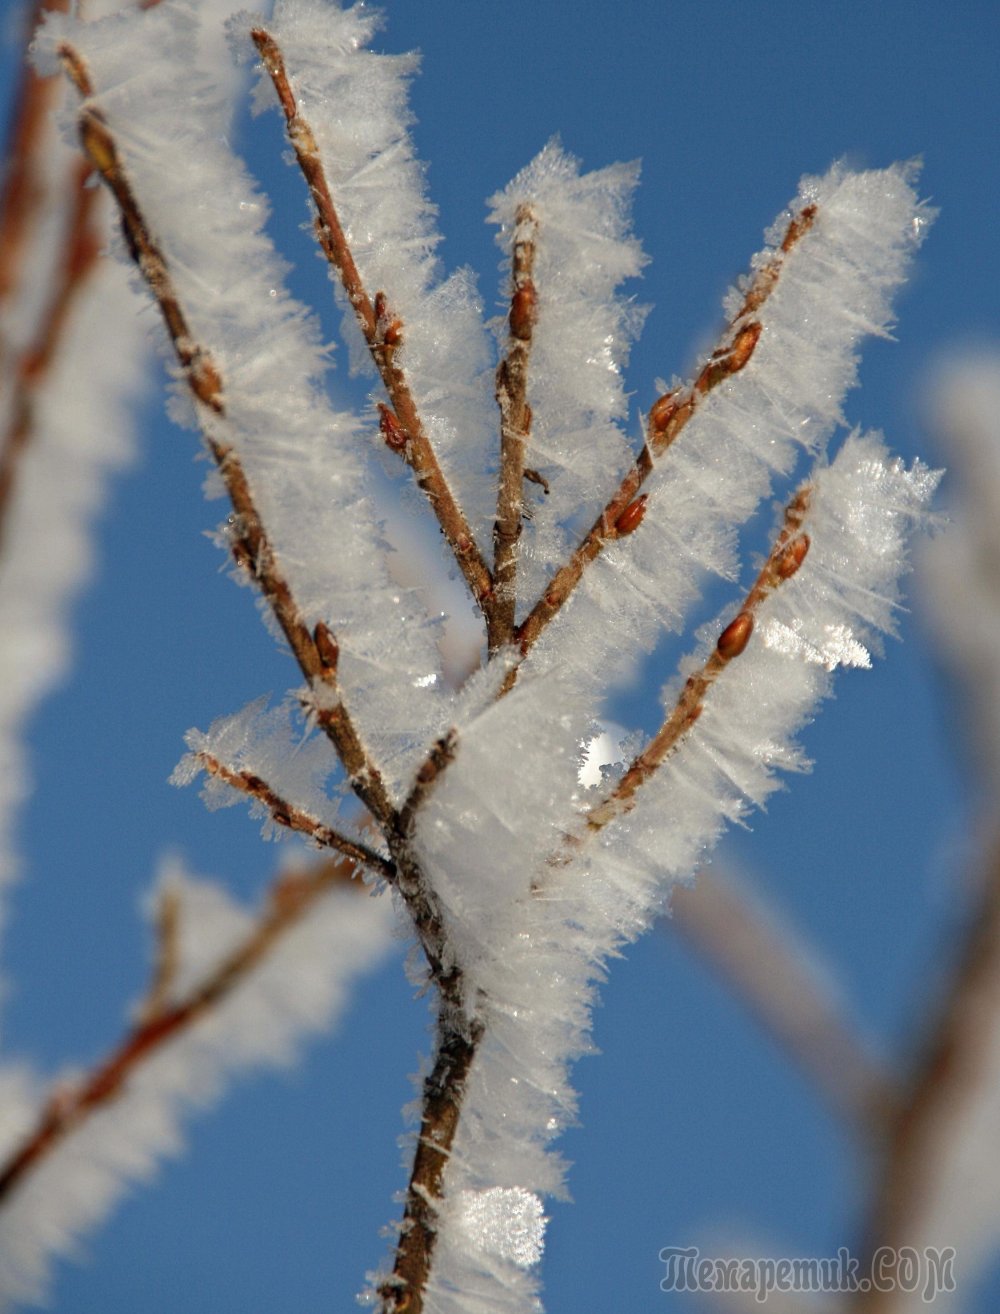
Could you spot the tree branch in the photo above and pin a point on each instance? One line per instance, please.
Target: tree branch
(667, 418)
(956, 1059)
(24, 190)
(787, 555)
(515, 427)
(79, 256)
(289, 899)
(297, 819)
(317, 654)
(316, 650)
(383, 332)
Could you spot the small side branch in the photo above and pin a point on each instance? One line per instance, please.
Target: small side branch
(667, 418)
(787, 555)
(23, 190)
(296, 819)
(79, 256)
(314, 650)
(950, 1074)
(383, 332)
(515, 427)
(290, 898)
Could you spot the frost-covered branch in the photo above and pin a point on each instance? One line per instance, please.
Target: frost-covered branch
(239, 990)
(667, 418)
(25, 189)
(936, 1181)
(473, 792)
(946, 1118)
(515, 425)
(315, 650)
(384, 333)
(295, 818)
(786, 556)
(79, 255)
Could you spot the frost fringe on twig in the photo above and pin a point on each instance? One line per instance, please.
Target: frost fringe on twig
(519, 883)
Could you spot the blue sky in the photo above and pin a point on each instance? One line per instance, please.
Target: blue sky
(691, 1121)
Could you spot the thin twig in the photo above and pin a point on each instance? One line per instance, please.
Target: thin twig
(785, 558)
(289, 899)
(667, 419)
(515, 427)
(950, 1073)
(316, 650)
(24, 189)
(297, 819)
(383, 332)
(774, 977)
(79, 257)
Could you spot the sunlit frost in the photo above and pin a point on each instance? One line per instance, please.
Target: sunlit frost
(506, 1221)
(839, 647)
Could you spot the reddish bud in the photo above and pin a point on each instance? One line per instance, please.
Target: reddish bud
(799, 225)
(631, 518)
(792, 557)
(326, 646)
(743, 346)
(523, 311)
(387, 326)
(393, 432)
(735, 637)
(662, 412)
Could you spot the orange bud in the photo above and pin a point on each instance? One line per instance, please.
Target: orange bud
(631, 518)
(743, 346)
(735, 637)
(393, 432)
(523, 311)
(387, 326)
(662, 412)
(792, 557)
(326, 646)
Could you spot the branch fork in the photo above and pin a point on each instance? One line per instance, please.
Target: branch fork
(460, 1021)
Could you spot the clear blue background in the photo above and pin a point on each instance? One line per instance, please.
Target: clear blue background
(691, 1119)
